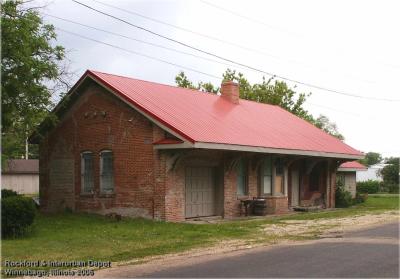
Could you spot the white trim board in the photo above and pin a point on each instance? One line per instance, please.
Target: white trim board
(235, 147)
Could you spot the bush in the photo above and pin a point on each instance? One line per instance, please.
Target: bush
(393, 188)
(360, 198)
(342, 197)
(5, 193)
(17, 214)
(369, 186)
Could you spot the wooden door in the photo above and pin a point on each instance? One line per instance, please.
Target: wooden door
(200, 192)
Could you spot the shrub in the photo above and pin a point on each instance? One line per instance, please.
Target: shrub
(393, 188)
(360, 198)
(369, 186)
(5, 193)
(342, 197)
(17, 214)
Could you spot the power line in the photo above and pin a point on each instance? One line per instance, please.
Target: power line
(245, 17)
(141, 41)
(234, 62)
(334, 109)
(274, 27)
(257, 51)
(140, 54)
(173, 64)
(138, 40)
(188, 30)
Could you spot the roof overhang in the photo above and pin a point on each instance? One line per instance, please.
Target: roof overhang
(257, 149)
(350, 169)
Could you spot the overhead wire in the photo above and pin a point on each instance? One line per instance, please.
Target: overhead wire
(207, 36)
(235, 62)
(139, 40)
(170, 63)
(139, 54)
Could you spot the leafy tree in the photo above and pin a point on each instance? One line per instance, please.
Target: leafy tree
(390, 174)
(326, 125)
(371, 158)
(269, 91)
(182, 81)
(33, 70)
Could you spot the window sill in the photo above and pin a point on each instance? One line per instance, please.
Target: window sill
(86, 195)
(107, 195)
(243, 197)
(265, 195)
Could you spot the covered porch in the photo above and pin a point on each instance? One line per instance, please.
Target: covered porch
(201, 183)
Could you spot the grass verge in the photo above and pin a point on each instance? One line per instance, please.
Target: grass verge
(82, 237)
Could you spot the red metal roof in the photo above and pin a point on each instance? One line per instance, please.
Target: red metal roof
(208, 118)
(353, 165)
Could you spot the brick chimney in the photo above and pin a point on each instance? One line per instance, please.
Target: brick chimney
(230, 91)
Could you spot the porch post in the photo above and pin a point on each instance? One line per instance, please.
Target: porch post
(328, 184)
(273, 179)
(285, 179)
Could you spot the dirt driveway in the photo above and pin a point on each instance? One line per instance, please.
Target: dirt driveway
(320, 228)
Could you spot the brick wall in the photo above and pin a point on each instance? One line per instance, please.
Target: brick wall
(95, 122)
(148, 182)
(277, 204)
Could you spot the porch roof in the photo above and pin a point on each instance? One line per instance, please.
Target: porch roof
(352, 166)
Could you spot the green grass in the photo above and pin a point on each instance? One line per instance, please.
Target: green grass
(70, 236)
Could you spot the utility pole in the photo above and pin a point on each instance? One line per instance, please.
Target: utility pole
(26, 144)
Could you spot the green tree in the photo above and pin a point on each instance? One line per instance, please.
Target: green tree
(371, 158)
(390, 174)
(326, 125)
(182, 81)
(33, 69)
(269, 91)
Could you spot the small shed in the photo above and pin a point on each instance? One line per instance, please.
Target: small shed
(347, 173)
(21, 176)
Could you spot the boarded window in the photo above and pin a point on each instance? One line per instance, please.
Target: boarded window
(242, 178)
(87, 172)
(266, 177)
(106, 171)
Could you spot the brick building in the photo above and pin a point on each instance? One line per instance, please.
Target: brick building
(139, 148)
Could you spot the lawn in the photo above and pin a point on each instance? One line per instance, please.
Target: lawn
(85, 237)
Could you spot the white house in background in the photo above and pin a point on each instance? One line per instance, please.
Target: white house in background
(21, 176)
(372, 173)
(347, 173)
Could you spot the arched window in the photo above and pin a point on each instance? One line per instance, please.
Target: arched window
(106, 172)
(87, 184)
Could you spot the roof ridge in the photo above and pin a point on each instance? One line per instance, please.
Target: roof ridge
(153, 82)
(180, 88)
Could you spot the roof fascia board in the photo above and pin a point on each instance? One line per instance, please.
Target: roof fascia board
(138, 109)
(218, 146)
(350, 169)
(205, 145)
(174, 146)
